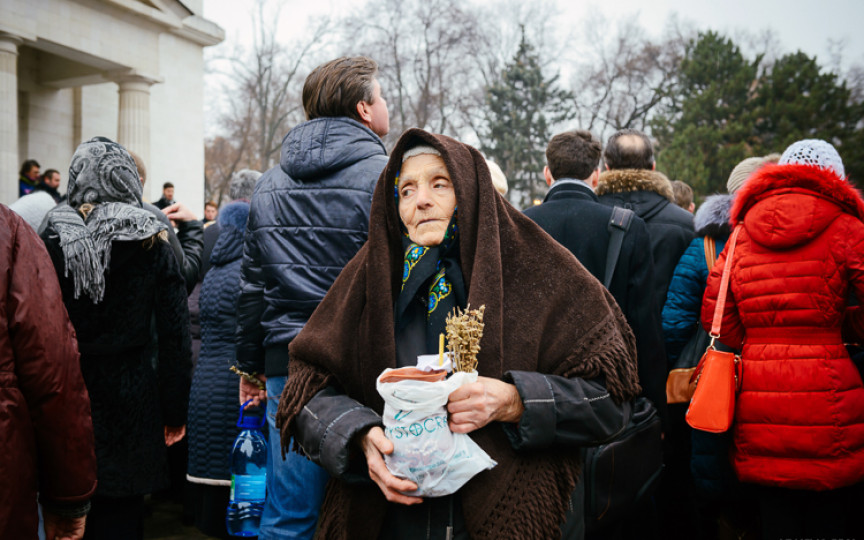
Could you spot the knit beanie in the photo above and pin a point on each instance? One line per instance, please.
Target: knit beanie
(742, 172)
(814, 152)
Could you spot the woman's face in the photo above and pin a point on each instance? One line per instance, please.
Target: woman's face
(426, 199)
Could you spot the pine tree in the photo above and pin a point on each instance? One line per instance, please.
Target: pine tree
(523, 108)
(708, 126)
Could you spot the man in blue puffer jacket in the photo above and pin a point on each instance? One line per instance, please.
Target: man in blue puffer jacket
(308, 218)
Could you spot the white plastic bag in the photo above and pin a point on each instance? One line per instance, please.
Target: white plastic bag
(425, 450)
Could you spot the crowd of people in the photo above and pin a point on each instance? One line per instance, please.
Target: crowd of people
(123, 319)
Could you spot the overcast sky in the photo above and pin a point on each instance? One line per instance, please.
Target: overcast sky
(806, 25)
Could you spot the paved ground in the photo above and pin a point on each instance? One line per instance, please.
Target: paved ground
(164, 522)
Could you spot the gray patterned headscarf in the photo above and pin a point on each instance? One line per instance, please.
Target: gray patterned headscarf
(102, 176)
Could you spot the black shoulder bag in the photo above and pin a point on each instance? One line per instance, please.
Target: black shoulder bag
(624, 471)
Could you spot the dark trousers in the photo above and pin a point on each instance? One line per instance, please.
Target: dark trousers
(115, 519)
(790, 513)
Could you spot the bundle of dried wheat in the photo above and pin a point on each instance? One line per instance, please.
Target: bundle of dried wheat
(464, 331)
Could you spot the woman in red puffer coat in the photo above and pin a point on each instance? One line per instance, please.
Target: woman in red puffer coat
(799, 418)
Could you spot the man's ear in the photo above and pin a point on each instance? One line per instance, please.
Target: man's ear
(653, 165)
(365, 113)
(548, 176)
(594, 179)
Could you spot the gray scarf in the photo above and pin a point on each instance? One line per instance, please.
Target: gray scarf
(102, 176)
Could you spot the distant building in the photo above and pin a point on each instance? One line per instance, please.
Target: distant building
(131, 70)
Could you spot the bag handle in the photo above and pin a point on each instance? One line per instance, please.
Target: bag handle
(724, 288)
(710, 248)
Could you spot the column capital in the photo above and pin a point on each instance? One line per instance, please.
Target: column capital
(131, 80)
(9, 43)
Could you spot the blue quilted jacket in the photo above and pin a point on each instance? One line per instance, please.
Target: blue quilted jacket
(309, 217)
(213, 406)
(683, 305)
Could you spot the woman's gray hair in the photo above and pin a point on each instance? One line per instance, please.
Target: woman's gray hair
(243, 184)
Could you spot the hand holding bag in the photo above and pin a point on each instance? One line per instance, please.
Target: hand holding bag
(718, 375)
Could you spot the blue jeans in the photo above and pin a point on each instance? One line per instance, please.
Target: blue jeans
(295, 485)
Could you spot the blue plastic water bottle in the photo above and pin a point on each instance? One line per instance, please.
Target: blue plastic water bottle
(248, 477)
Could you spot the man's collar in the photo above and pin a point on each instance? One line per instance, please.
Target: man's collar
(565, 181)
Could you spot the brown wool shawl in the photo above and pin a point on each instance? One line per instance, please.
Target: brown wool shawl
(544, 313)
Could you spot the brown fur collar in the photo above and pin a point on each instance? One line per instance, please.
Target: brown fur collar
(623, 180)
(821, 182)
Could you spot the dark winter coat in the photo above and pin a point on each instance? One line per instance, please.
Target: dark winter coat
(799, 417)
(213, 406)
(187, 244)
(309, 216)
(571, 214)
(46, 436)
(670, 227)
(131, 398)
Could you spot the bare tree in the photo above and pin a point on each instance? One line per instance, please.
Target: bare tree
(423, 48)
(624, 75)
(262, 94)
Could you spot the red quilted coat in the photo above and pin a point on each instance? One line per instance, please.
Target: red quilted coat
(799, 419)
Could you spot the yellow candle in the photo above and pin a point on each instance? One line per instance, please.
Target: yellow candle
(440, 349)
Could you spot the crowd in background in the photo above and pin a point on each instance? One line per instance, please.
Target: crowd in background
(124, 317)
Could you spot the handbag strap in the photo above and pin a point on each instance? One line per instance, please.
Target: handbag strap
(619, 224)
(710, 251)
(724, 286)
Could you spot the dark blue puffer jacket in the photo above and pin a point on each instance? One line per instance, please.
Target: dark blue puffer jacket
(309, 217)
(683, 305)
(213, 406)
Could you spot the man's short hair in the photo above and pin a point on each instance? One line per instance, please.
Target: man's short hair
(211, 203)
(335, 88)
(166, 185)
(29, 164)
(573, 154)
(683, 194)
(629, 149)
(49, 173)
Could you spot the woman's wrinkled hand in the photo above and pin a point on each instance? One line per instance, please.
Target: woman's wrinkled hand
(374, 444)
(474, 405)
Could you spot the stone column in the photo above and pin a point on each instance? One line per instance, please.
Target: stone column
(133, 124)
(9, 117)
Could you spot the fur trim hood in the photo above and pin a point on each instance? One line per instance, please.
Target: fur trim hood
(773, 180)
(712, 217)
(623, 180)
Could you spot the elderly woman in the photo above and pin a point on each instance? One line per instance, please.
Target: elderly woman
(123, 290)
(799, 418)
(557, 359)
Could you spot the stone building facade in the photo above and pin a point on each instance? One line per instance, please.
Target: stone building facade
(130, 70)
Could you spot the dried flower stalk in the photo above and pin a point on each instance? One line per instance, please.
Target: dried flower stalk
(464, 331)
(249, 377)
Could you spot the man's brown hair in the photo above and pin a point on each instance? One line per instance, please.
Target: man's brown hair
(629, 149)
(683, 194)
(335, 88)
(573, 154)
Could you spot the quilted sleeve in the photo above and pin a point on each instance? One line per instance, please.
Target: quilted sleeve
(853, 321)
(684, 299)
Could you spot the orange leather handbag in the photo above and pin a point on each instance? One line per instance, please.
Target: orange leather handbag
(718, 375)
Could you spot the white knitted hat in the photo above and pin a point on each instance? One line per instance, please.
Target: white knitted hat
(814, 152)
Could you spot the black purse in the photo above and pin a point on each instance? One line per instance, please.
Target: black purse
(625, 470)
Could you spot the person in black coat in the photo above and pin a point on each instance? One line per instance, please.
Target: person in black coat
(121, 283)
(213, 400)
(571, 214)
(631, 182)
